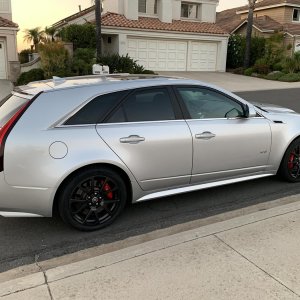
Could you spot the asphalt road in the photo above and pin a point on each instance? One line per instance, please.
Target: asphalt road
(23, 241)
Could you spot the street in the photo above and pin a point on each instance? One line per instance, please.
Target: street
(26, 241)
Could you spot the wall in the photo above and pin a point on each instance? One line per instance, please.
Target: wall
(5, 9)
(243, 30)
(279, 14)
(208, 13)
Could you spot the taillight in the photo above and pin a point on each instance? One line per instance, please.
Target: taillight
(5, 130)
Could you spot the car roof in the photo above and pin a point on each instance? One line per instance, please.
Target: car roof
(57, 83)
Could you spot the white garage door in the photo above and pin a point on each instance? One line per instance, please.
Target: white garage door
(158, 55)
(203, 56)
(2, 61)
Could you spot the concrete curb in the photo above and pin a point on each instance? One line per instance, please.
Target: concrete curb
(59, 273)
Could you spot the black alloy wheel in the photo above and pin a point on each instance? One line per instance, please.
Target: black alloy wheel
(93, 199)
(290, 165)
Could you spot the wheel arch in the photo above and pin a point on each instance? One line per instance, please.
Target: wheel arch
(286, 148)
(115, 168)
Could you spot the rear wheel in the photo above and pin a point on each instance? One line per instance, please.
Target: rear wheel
(93, 199)
(290, 165)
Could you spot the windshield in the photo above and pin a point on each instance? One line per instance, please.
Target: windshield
(9, 106)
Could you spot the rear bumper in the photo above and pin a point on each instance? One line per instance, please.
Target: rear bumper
(31, 200)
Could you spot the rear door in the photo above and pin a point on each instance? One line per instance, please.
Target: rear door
(149, 135)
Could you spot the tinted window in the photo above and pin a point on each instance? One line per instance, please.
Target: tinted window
(9, 106)
(96, 110)
(207, 104)
(149, 105)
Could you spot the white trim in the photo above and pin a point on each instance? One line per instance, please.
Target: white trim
(10, 28)
(239, 12)
(261, 30)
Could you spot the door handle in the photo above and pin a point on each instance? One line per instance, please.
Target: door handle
(132, 139)
(207, 135)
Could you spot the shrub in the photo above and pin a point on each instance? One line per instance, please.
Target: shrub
(278, 66)
(32, 75)
(239, 71)
(24, 56)
(82, 36)
(237, 47)
(293, 77)
(292, 64)
(249, 71)
(83, 61)
(54, 59)
(122, 64)
(262, 66)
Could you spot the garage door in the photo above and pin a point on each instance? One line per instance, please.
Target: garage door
(203, 56)
(2, 61)
(159, 55)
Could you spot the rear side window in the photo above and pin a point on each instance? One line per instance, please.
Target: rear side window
(96, 110)
(9, 106)
(145, 105)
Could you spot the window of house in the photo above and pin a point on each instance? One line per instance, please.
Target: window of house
(296, 15)
(142, 6)
(155, 6)
(190, 10)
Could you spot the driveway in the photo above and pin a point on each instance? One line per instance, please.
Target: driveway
(5, 88)
(233, 82)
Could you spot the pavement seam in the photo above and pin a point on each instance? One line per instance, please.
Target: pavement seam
(36, 259)
(22, 290)
(255, 265)
(174, 245)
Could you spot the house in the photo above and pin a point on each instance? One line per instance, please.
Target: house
(270, 16)
(9, 61)
(162, 35)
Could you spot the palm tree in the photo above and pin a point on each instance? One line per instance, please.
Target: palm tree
(34, 35)
(98, 10)
(251, 4)
(51, 32)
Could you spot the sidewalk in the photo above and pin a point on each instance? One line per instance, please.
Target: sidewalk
(255, 256)
(235, 83)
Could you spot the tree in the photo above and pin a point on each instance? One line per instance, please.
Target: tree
(34, 35)
(98, 10)
(251, 4)
(51, 32)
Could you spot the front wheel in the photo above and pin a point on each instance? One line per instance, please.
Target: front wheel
(92, 199)
(290, 165)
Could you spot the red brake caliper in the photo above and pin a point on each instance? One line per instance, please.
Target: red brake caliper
(291, 161)
(107, 188)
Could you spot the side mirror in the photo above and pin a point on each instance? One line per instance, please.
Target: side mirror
(249, 111)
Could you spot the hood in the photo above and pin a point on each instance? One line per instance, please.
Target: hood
(272, 108)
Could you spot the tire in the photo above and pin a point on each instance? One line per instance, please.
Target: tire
(92, 199)
(289, 169)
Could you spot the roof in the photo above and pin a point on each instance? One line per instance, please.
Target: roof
(7, 23)
(74, 16)
(147, 23)
(229, 20)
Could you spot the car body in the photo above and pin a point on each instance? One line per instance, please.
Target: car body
(159, 135)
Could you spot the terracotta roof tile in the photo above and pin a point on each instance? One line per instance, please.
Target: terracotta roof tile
(147, 23)
(7, 23)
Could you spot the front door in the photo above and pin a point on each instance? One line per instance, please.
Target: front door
(150, 139)
(226, 145)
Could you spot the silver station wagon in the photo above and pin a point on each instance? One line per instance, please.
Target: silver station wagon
(85, 146)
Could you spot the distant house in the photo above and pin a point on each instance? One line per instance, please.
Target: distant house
(162, 35)
(270, 16)
(9, 62)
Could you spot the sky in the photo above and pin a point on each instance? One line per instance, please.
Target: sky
(33, 13)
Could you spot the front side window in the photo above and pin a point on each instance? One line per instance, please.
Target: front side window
(296, 15)
(144, 106)
(203, 103)
(190, 10)
(142, 6)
